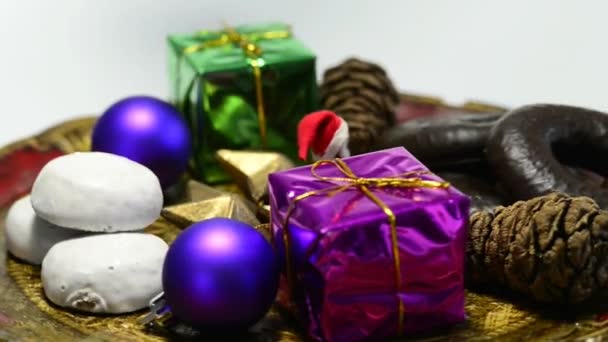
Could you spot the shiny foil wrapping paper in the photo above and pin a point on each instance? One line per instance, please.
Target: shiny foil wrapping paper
(217, 89)
(341, 251)
(207, 202)
(250, 170)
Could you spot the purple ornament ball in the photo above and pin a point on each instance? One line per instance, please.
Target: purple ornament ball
(220, 274)
(148, 131)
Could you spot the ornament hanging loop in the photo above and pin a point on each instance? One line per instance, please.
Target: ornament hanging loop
(159, 311)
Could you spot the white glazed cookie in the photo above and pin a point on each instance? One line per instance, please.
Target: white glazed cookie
(28, 237)
(98, 192)
(105, 273)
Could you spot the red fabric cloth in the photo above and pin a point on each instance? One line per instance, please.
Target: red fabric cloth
(18, 171)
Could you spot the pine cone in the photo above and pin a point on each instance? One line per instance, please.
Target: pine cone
(362, 94)
(553, 248)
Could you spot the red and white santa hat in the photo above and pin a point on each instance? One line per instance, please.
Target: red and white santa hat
(325, 133)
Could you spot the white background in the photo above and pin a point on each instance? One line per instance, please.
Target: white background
(64, 58)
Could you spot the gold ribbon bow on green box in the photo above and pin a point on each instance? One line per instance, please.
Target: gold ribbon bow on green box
(243, 88)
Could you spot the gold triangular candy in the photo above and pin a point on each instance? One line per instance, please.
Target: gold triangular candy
(250, 169)
(225, 205)
(196, 191)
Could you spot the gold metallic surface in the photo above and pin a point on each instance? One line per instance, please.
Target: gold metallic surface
(196, 191)
(25, 315)
(204, 202)
(250, 169)
(226, 205)
(70, 136)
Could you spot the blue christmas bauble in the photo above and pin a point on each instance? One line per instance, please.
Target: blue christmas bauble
(148, 131)
(220, 274)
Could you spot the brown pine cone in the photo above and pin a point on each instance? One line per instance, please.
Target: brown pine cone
(363, 95)
(553, 248)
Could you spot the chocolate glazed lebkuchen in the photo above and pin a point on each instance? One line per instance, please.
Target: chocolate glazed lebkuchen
(452, 145)
(482, 190)
(542, 148)
(444, 140)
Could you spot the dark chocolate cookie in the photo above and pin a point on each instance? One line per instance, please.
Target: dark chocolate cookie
(538, 149)
(444, 140)
(482, 190)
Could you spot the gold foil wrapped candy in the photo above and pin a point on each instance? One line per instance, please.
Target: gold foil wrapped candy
(207, 202)
(250, 169)
(196, 192)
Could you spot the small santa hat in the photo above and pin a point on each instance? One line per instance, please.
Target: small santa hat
(325, 133)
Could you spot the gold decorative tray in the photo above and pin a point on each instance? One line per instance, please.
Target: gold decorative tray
(25, 315)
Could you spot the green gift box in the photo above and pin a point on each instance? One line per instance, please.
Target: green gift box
(241, 89)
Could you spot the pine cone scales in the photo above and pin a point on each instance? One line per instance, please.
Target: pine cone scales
(553, 248)
(363, 95)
